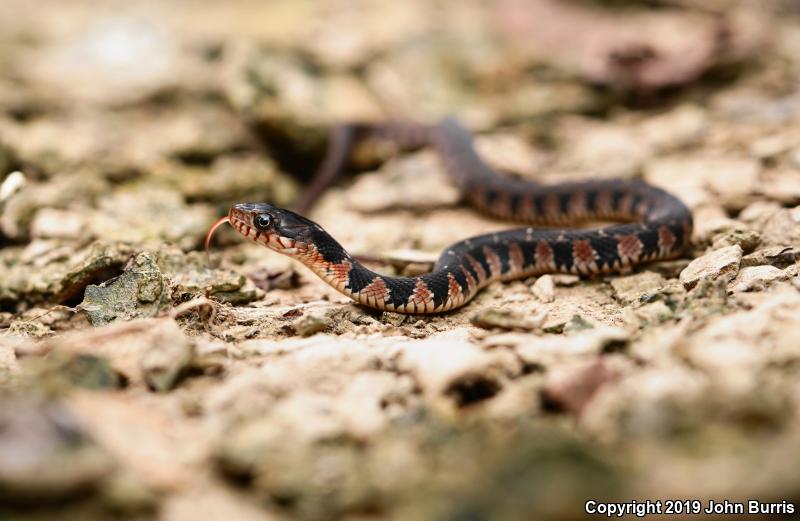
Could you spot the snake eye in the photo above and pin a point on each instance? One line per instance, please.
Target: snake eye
(262, 221)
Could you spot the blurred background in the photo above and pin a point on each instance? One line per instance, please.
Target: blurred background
(127, 128)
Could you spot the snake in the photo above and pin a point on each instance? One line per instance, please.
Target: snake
(646, 223)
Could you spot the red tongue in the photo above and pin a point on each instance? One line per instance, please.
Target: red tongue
(219, 222)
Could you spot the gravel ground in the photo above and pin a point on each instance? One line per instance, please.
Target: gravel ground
(139, 382)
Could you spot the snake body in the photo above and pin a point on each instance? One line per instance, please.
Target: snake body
(656, 225)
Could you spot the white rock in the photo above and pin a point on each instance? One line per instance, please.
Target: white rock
(772, 326)
(414, 182)
(710, 219)
(731, 178)
(734, 363)
(758, 211)
(781, 185)
(722, 263)
(572, 386)
(608, 149)
(211, 503)
(756, 278)
(678, 128)
(509, 153)
(646, 401)
(771, 146)
(782, 228)
(440, 362)
(544, 288)
(11, 185)
(543, 350)
(8, 360)
(368, 393)
(563, 279)
(52, 223)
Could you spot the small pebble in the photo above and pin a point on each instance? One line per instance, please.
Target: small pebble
(544, 289)
(12, 184)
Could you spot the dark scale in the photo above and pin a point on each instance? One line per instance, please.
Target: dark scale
(489, 198)
(438, 284)
(400, 289)
(677, 230)
(528, 248)
(607, 252)
(477, 254)
(538, 203)
(466, 264)
(563, 203)
(515, 203)
(591, 202)
(459, 275)
(562, 252)
(501, 250)
(635, 204)
(649, 238)
(331, 250)
(616, 200)
(359, 279)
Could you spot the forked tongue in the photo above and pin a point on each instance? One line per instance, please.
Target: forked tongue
(219, 222)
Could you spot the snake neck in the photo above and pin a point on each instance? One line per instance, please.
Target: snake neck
(432, 292)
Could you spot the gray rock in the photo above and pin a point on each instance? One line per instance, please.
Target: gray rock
(153, 352)
(62, 370)
(141, 291)
(310, 324)
(651, 313)
(636, 288)
(778, 256)
(747, 239)
(654, 401)
(758, 212)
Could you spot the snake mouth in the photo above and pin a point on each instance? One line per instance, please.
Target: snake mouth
(242, 222)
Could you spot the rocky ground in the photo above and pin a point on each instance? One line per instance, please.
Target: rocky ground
(137, 382)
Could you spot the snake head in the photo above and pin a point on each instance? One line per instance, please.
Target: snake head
(276, 228)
